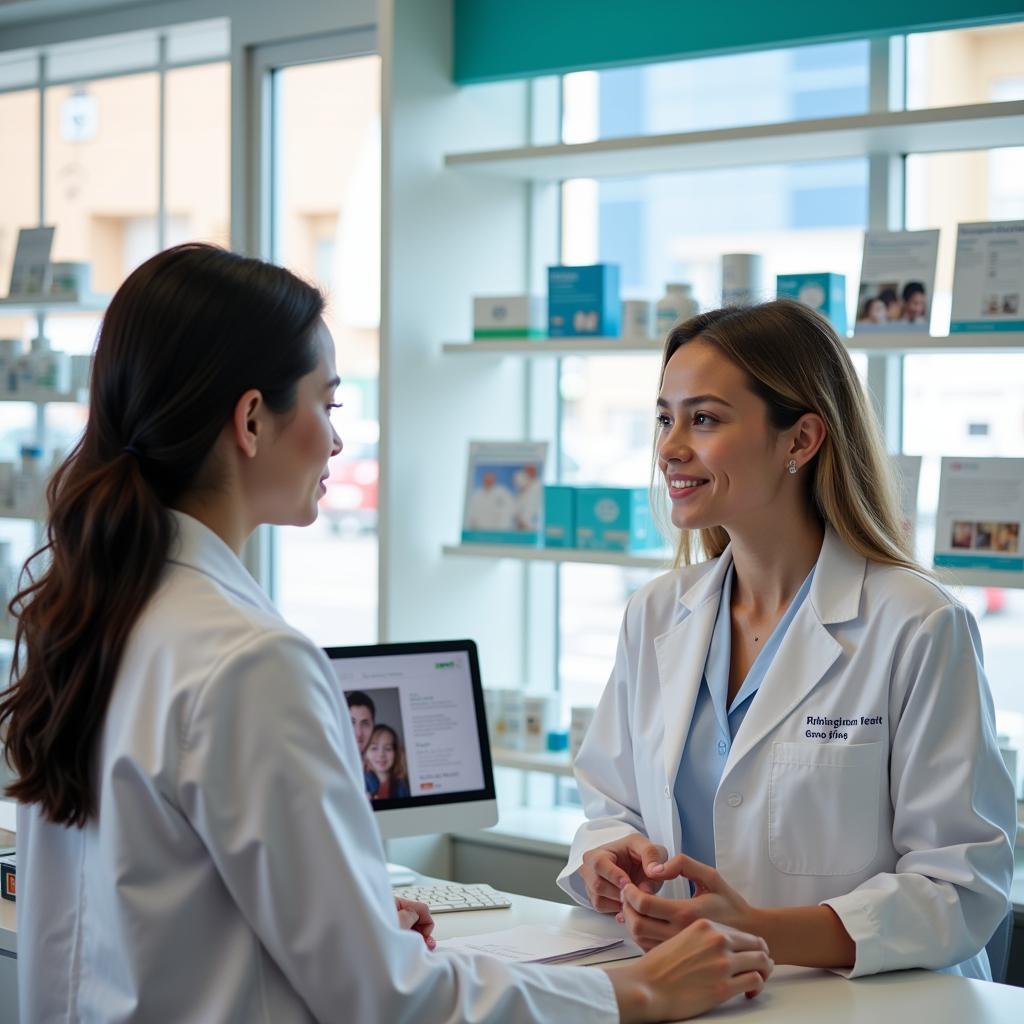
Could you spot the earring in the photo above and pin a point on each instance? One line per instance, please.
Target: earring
(792, 467)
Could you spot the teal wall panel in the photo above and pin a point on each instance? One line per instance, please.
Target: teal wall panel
(500, 39)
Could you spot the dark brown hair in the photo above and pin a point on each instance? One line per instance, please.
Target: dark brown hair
(796, 363)
(186, 335)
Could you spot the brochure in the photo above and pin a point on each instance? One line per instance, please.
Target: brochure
(897, 278)
(535, 944)
(505, 493)
(980, 514)
(988, 278)
(908, 477)
(30, 273)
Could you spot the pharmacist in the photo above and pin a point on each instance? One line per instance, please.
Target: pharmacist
(194, 838)
(801, 723)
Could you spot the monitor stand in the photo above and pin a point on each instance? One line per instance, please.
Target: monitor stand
(399, 875)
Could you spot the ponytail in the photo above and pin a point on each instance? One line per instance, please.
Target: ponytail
(107, 543)
(186, 335)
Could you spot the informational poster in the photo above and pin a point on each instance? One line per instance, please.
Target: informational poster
(988, 279)
(908, 477)
(30, 274)
(897, 279)
(980, 515)
(504, 493)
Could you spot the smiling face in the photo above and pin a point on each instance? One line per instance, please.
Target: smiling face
(380, 753)
(722, 461)
(361, 718)
(914, 306)
(293, 467)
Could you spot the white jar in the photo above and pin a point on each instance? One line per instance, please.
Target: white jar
(675, 305)
(512, 716)
(742, 278)
(579, 723)
(538, 720)
(637, 319)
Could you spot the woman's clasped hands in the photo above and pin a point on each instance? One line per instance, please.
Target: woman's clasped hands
(652, 919)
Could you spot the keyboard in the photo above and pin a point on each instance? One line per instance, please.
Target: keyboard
(448, 897)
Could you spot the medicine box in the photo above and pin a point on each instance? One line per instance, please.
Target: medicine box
(825, 293)
(615, 519)
(508, 316)
(584, 301)
(559, 516)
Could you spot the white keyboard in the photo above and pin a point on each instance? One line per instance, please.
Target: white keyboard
(447, 897)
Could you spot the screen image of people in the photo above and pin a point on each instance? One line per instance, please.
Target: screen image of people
(381, 747)
(418, 735)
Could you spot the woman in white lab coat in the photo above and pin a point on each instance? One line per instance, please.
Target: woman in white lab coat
(799, 725)
(194, 842)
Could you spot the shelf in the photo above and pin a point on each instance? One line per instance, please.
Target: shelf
(883, 341)
(940, 129)
(528, 554)
(90, 304)
(550, 764)
(45, 397)
(910, 344)
(30, 515)
(555, 347)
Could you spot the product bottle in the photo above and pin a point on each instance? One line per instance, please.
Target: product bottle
(29, 484)
(676, 304)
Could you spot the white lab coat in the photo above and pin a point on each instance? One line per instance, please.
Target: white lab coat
(234, 873)
(901, 822)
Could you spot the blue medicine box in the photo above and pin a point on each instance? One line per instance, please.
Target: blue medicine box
(615, 519)
(584, 301)
(559, 516)
(825, 293)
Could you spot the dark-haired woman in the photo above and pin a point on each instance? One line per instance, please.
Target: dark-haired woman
(195, 843)
(801, 718)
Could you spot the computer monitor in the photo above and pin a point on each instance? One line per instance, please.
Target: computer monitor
(418, 713)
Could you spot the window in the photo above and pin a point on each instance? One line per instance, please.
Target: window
(801, 217)
(100, 184)
(326, 214)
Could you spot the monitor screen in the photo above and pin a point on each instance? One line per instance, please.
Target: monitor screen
(417, 714)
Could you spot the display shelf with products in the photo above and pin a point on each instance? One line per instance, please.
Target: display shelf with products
(31, 306)
(40, 397)
(932, 130)
(882, 342)
(549, 764)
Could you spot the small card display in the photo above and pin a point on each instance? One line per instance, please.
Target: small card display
(988, 279)
(504, 493)
(980, 514)
(897, 280)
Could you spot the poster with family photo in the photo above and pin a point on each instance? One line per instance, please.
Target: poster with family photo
(897, 280)
(504, 493)
(988, 277)
(980, 514)
(376, 717)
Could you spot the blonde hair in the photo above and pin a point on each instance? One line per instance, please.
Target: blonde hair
(797, 364)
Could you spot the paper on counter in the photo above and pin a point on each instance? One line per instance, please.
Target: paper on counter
(531, 944)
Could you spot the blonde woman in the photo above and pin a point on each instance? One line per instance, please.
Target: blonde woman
(802, 718)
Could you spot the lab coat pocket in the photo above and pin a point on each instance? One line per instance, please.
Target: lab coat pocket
(823, 807)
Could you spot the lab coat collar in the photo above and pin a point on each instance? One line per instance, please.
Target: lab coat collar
(681, 653)
(807, 654)
(196, 546)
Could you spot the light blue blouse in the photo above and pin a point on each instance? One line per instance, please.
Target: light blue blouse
(714, 726)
